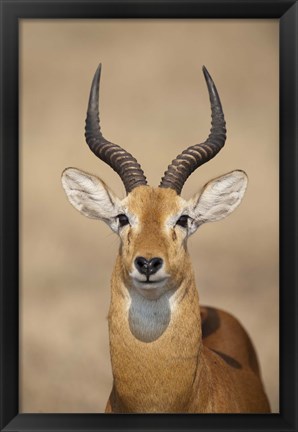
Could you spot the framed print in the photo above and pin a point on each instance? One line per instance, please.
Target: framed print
(56, 371)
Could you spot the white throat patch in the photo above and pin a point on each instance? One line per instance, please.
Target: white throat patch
(148, 319)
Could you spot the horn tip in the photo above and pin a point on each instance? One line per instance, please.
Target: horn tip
(206, 73)
(98, 70)
(96, 77)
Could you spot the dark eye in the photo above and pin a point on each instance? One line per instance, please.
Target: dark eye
(123, 220)
(182, 221)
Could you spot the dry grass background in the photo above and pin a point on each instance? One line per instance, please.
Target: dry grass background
(154, 103)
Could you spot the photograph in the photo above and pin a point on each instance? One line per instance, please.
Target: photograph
(144, 305)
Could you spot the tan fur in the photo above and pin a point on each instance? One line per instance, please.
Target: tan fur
(152, 208)
(167, 354)
(182, 370)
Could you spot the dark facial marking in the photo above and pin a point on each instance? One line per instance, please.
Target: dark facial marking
(128, 237)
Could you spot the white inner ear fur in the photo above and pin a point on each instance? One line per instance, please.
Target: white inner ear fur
(220, 197)
(91, 196)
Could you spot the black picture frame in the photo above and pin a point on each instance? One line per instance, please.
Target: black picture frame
(11, 12)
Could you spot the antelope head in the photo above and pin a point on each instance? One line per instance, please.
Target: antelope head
(154, 223)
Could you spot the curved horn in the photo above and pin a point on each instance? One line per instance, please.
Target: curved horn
(119, 159)
(196, 155)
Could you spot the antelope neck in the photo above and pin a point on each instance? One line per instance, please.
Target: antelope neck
(154, 369)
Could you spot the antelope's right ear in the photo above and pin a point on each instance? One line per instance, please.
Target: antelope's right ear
(90, 195)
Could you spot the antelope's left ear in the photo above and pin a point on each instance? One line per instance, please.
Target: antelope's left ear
(219, 198)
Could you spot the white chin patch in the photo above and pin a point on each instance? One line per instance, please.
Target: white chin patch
(152, 289)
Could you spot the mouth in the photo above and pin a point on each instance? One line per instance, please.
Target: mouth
(149, 284)
(151, 289)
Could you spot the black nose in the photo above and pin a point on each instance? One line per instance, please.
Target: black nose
(148, 267)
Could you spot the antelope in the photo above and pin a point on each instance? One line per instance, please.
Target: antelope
(168, 354)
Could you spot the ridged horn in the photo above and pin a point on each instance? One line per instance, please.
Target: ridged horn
(119, 159)
(198, 154)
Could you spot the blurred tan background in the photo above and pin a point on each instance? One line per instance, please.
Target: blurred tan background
(154, 102)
